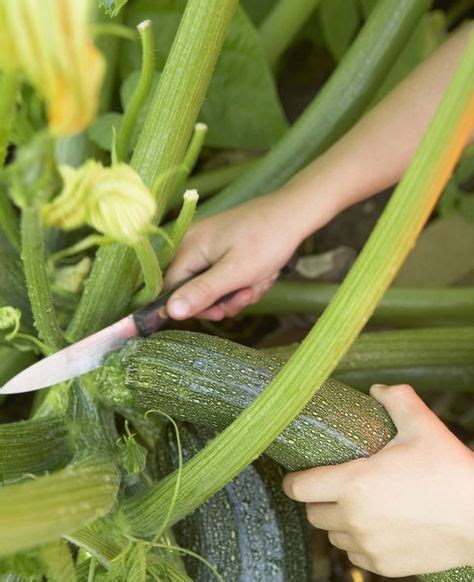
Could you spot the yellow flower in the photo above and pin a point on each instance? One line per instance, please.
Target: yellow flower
(120, 205)
(49, 42)
(113, 200)
(68, 211)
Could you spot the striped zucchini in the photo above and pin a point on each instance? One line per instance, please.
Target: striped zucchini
(249, 530)
(209, 381)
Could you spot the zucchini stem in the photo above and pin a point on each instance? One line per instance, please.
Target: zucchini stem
(34, 262)
(142, 91)
(151, 272)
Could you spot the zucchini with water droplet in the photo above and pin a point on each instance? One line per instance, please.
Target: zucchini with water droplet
(209, 381)
(249, 530)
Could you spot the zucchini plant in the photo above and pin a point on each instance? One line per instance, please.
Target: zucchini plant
(104, 111)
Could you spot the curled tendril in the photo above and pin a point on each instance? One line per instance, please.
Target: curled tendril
(10, 318)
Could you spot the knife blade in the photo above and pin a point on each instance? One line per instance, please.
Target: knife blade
(89, 353)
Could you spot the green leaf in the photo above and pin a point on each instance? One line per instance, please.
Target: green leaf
(367, 6)
(257, 10)
(242, 108)
(100, 132)
(339, 23)
(442, 256)
(112, 7)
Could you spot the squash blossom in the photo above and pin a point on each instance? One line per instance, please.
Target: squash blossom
(114, 201)
(49, 42)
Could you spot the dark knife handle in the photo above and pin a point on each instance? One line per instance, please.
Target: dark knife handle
(154, 316)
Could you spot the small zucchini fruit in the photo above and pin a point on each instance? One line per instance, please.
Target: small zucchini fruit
(209, 381)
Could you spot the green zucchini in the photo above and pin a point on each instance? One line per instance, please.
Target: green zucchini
(209, 381)
(249, 530)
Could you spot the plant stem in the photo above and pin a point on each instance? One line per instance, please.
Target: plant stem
(151, 273)
(33, 256)
(180, 227)
(144, 86)
(9, 223)
(282, 24)
(403, 307)
(161, 146)
(209, 181)
(42, 510)
(336, 107)
(190, 159)
(21, 451)
(390, 242)
(9, 84)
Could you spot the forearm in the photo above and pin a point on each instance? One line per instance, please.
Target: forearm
(373, 155)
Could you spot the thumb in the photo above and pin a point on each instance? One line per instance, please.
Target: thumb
(205, 289)
(407, 410)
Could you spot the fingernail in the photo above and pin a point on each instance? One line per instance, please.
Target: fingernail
(378, 386)
(178, 308)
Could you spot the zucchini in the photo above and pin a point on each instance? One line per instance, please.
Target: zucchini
(249, 530)
(209, 381)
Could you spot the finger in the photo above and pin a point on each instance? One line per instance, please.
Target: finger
(204, 290)
(343, 541)
(408, 412)
(189, 261)
(321, 484)
(360, 560)
(262, 288)
(325, 516)
(228, 308)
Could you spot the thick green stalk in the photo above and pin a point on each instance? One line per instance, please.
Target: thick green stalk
(9, 84)
(336, 107)
(403, 307)
(429, 359)
(34, 264)
(161, 146)
(33, 446)
(141, 93)
(390, 242)
(282, 24)
(44, 509)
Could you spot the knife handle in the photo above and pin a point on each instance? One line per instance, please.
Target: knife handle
(154, 316)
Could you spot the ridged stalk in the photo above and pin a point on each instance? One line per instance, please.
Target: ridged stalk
(282, 24)
(336, 107)
(429, 359)
(389, 244)
(34, 264)
(33, 446)
(44, 509)
(161, 146)
(403, 307)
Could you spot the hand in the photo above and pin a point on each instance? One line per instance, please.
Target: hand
(242, 248)
(409, 509)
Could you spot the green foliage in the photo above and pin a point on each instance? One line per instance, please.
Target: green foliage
(242, 108)
(112, 7)
(458, 196)
(340, 21)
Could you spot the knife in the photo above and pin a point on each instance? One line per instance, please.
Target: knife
(88, 354)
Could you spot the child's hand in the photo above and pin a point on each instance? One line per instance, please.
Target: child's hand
(242, 248)
(409, 509)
